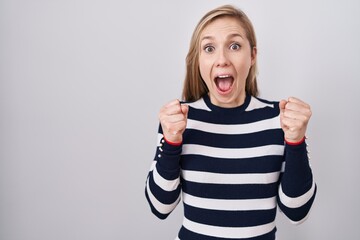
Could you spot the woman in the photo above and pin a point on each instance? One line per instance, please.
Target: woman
(231, 156)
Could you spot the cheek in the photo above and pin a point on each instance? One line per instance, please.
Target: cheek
(244, 66)
(206, 78)
(204, 68)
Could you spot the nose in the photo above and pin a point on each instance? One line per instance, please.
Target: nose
(222, 59)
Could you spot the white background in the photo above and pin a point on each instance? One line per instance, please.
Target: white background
(81, 84)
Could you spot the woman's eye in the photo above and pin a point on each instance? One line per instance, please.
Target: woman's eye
(235, 46)
(209, 49)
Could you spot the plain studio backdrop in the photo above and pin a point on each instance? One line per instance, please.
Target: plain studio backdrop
(81, 85)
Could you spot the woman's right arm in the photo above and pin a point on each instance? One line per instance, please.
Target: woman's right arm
(163, 183)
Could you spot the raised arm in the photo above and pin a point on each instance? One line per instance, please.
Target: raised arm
(297, 188)
(163, 183)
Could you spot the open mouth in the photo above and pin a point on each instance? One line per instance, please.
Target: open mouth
(224, 83)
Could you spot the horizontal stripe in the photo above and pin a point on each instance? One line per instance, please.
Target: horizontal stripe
(166, 185)
(257, 104)
(160, 207)
(200, 105)
(235, 128)
(165, 197)
(230, 204)
(230, 191)
(229, 218)
(246, 165)
(226, 178)
(228, 232)
(233, 152)
(296, 202)
(266, 137)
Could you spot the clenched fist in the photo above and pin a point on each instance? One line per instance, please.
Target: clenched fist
(173, 119)
(294, 117)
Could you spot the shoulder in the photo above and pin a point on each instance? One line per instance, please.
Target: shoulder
(199, 105)
(257, 103)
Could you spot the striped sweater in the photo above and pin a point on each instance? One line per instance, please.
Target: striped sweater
(232, 171)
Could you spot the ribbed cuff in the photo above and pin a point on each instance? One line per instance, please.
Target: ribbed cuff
(295, 143)
(172, 143)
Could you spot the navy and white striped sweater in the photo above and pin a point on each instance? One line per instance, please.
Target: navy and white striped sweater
(231, 171)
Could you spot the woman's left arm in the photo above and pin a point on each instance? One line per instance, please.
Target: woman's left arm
(297, 188)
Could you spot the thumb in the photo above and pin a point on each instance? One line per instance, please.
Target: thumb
(184, 109)
(282, 105)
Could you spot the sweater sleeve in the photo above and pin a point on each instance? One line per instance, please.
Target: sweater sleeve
(163, 188)
(297, 188)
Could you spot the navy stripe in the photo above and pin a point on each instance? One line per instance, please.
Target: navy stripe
(232, 118)
(167, 174)
(163, 196)
(229, 218)
(262, 138)
(153, 209)
(264, 164)
(230, 191)
(297, 214)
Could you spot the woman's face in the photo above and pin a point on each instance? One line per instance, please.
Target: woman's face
(225, 60)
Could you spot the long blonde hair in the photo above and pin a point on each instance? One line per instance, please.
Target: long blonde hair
(194, 86)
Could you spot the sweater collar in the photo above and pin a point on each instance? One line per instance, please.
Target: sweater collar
(237, 109)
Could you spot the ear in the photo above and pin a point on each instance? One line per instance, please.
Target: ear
(253, 55)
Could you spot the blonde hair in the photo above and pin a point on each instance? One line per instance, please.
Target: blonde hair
(194, 86)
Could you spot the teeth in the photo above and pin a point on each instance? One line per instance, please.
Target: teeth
(224, 76)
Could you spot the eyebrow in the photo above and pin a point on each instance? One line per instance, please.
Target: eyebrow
(230, 36)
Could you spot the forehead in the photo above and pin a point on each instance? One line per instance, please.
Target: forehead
(223, 26)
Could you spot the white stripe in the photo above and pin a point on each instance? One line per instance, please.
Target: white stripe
(233, 152)
(272, 123)
(200, 104)
(160, 207)
(297, 201)
(256, 104)
(228, 232)
(230, 204)
(227, 178)
(167, 185)
(153, 164)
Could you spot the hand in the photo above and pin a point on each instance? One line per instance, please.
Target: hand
(173, 120)
(294, 117)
